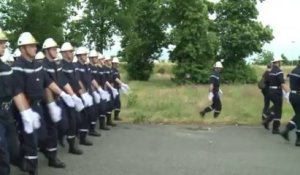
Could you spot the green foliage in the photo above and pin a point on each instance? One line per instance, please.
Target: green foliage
(241, 35)
(98, 24)
(238, 73)
(264, 58)
(196, 45)
(141, 25)
(42, 18)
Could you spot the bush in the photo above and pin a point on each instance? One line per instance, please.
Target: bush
(240, 73)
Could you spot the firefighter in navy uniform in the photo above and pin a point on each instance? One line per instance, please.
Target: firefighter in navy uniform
(9, 145)
(214, 92)
(265, 92)
(72, 77)
(53, 118)
(104, 95)
(294, 98)
(88, 116)
(275, 80)
(108, 74)
(31, 82)
(119, 85)
(96, 74)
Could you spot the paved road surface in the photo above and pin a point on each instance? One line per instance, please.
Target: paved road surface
(181, 150)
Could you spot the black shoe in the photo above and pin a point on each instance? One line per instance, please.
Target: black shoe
(85, 142)
(202, 114)
(110, 122)
(94, 134)
(56, 163)
(297, 142)
(266, 124)
(275, 131)
(117, 119)
(285, 135)
(75, 151)
(33, 172)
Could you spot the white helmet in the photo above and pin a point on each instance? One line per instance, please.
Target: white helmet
(100, 56)
(39, 56)
(81, 51)
(66, 47)
(107, 58)
(49, 43)
(115, 60)
(218, 65)
(93, 53)
(277, 59)
(26, 38)
(17, 53)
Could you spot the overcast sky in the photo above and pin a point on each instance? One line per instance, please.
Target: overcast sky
(282, 16)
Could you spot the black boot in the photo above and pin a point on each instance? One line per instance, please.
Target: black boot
(33, 172)
(117, 115)
(93, 132)
(276, 125)
(285, 134)
(109, 121)
(266, 123)
(206, 110)
(83, 140)
(54, 161)
(102, 124)
(216, 114)
(298, 139)
(73, 148)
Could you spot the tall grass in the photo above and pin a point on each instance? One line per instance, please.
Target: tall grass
(161, 101)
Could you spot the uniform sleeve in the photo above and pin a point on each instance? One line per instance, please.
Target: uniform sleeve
(47, 79)
(212, 79)
(18, 76)
(281, 78)
(63, 81)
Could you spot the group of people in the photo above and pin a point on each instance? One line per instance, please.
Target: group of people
(44, 102)
(274, 89)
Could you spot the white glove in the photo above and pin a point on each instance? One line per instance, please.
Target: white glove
(97, 97)
(87, 99)
(210, 96)
(286, 95)
(102, 93)
(79, 106)
(108, 98)
(220, 92)
(67, 99)
(115, 92)
(27, 121)
(123, 90)
(54, 111)
(125, 86)
(36, 118)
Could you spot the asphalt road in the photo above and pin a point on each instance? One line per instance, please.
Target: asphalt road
(181, 150)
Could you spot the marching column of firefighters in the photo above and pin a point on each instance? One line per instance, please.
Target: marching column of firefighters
(45, 101)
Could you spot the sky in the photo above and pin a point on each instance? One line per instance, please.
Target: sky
(280, 15)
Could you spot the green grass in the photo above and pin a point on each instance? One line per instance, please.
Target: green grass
(161, 101)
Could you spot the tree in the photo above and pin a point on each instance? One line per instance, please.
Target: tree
(240, 36)
(285, 60)
(142, 28)
(264, 58)
(196, 45)
(97, 24)
(42, 18)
